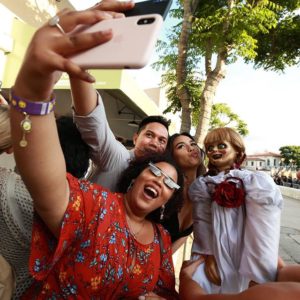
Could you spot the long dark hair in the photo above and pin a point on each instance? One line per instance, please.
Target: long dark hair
(75, 150)
(201, 169)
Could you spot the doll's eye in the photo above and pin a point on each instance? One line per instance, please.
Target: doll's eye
(222, 146)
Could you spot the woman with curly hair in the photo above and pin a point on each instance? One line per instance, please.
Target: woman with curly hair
(87, 242)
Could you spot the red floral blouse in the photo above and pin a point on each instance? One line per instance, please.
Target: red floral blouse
(95, 256)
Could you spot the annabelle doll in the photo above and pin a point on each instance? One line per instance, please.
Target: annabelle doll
(236, 218)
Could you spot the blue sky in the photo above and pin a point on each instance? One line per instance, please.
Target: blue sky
(267, 101)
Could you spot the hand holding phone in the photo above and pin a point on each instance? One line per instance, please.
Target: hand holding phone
(131, 46)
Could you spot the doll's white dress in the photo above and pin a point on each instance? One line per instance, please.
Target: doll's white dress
(244, 240)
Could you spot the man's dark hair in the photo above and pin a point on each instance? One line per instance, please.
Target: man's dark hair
(75, 150)
(154, 119)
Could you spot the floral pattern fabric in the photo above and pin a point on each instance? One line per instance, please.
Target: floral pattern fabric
(95, 256)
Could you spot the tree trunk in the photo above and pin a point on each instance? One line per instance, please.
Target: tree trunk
(206, 100)
(213, 79)
(181, 91)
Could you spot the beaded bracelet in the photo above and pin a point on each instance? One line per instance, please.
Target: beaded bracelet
(27, 108)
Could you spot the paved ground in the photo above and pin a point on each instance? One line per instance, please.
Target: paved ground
(290, 245)
(290, 231)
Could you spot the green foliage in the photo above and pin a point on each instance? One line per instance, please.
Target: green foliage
(291, 154)
(263, 32)
(283, 50)
(222, 116)
(233, 29)
(193, 84)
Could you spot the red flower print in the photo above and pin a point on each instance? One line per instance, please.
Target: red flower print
(229, 193)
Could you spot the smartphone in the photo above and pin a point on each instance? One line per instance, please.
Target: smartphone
(131, 47)
(160, 7)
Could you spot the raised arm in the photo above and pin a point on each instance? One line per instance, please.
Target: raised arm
(41, 161)
(84, 97)
(83, 94)
(89, 115)
(107, 153)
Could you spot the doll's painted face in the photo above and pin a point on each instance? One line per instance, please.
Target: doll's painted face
(221, 154)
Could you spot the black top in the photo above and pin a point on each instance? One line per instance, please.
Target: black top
(172, 225)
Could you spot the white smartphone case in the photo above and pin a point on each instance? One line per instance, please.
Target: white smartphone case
(131, 46)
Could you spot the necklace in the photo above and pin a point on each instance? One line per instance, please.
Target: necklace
(135, 234)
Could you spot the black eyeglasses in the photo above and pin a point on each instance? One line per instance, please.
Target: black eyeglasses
(168, 181)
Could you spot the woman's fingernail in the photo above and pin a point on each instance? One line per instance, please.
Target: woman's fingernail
(106, 32)
(141, 298)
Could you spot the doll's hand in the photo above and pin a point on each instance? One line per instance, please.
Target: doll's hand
(252, 283)
(189, 267)
(211, 270)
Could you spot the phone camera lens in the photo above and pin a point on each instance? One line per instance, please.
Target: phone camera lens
(145, 21)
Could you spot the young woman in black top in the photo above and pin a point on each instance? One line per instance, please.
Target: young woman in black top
(189, 157)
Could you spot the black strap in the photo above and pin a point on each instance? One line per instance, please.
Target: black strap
(160, 241)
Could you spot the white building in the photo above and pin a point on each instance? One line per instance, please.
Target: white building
(263, 161)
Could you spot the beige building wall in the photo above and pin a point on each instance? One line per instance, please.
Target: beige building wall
(158, 95)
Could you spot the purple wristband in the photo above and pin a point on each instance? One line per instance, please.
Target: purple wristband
(32, 107)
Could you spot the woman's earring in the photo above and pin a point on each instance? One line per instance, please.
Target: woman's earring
(162, 210)
(130, 185)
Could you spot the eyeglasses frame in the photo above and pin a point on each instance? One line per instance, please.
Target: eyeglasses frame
(167, 179)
